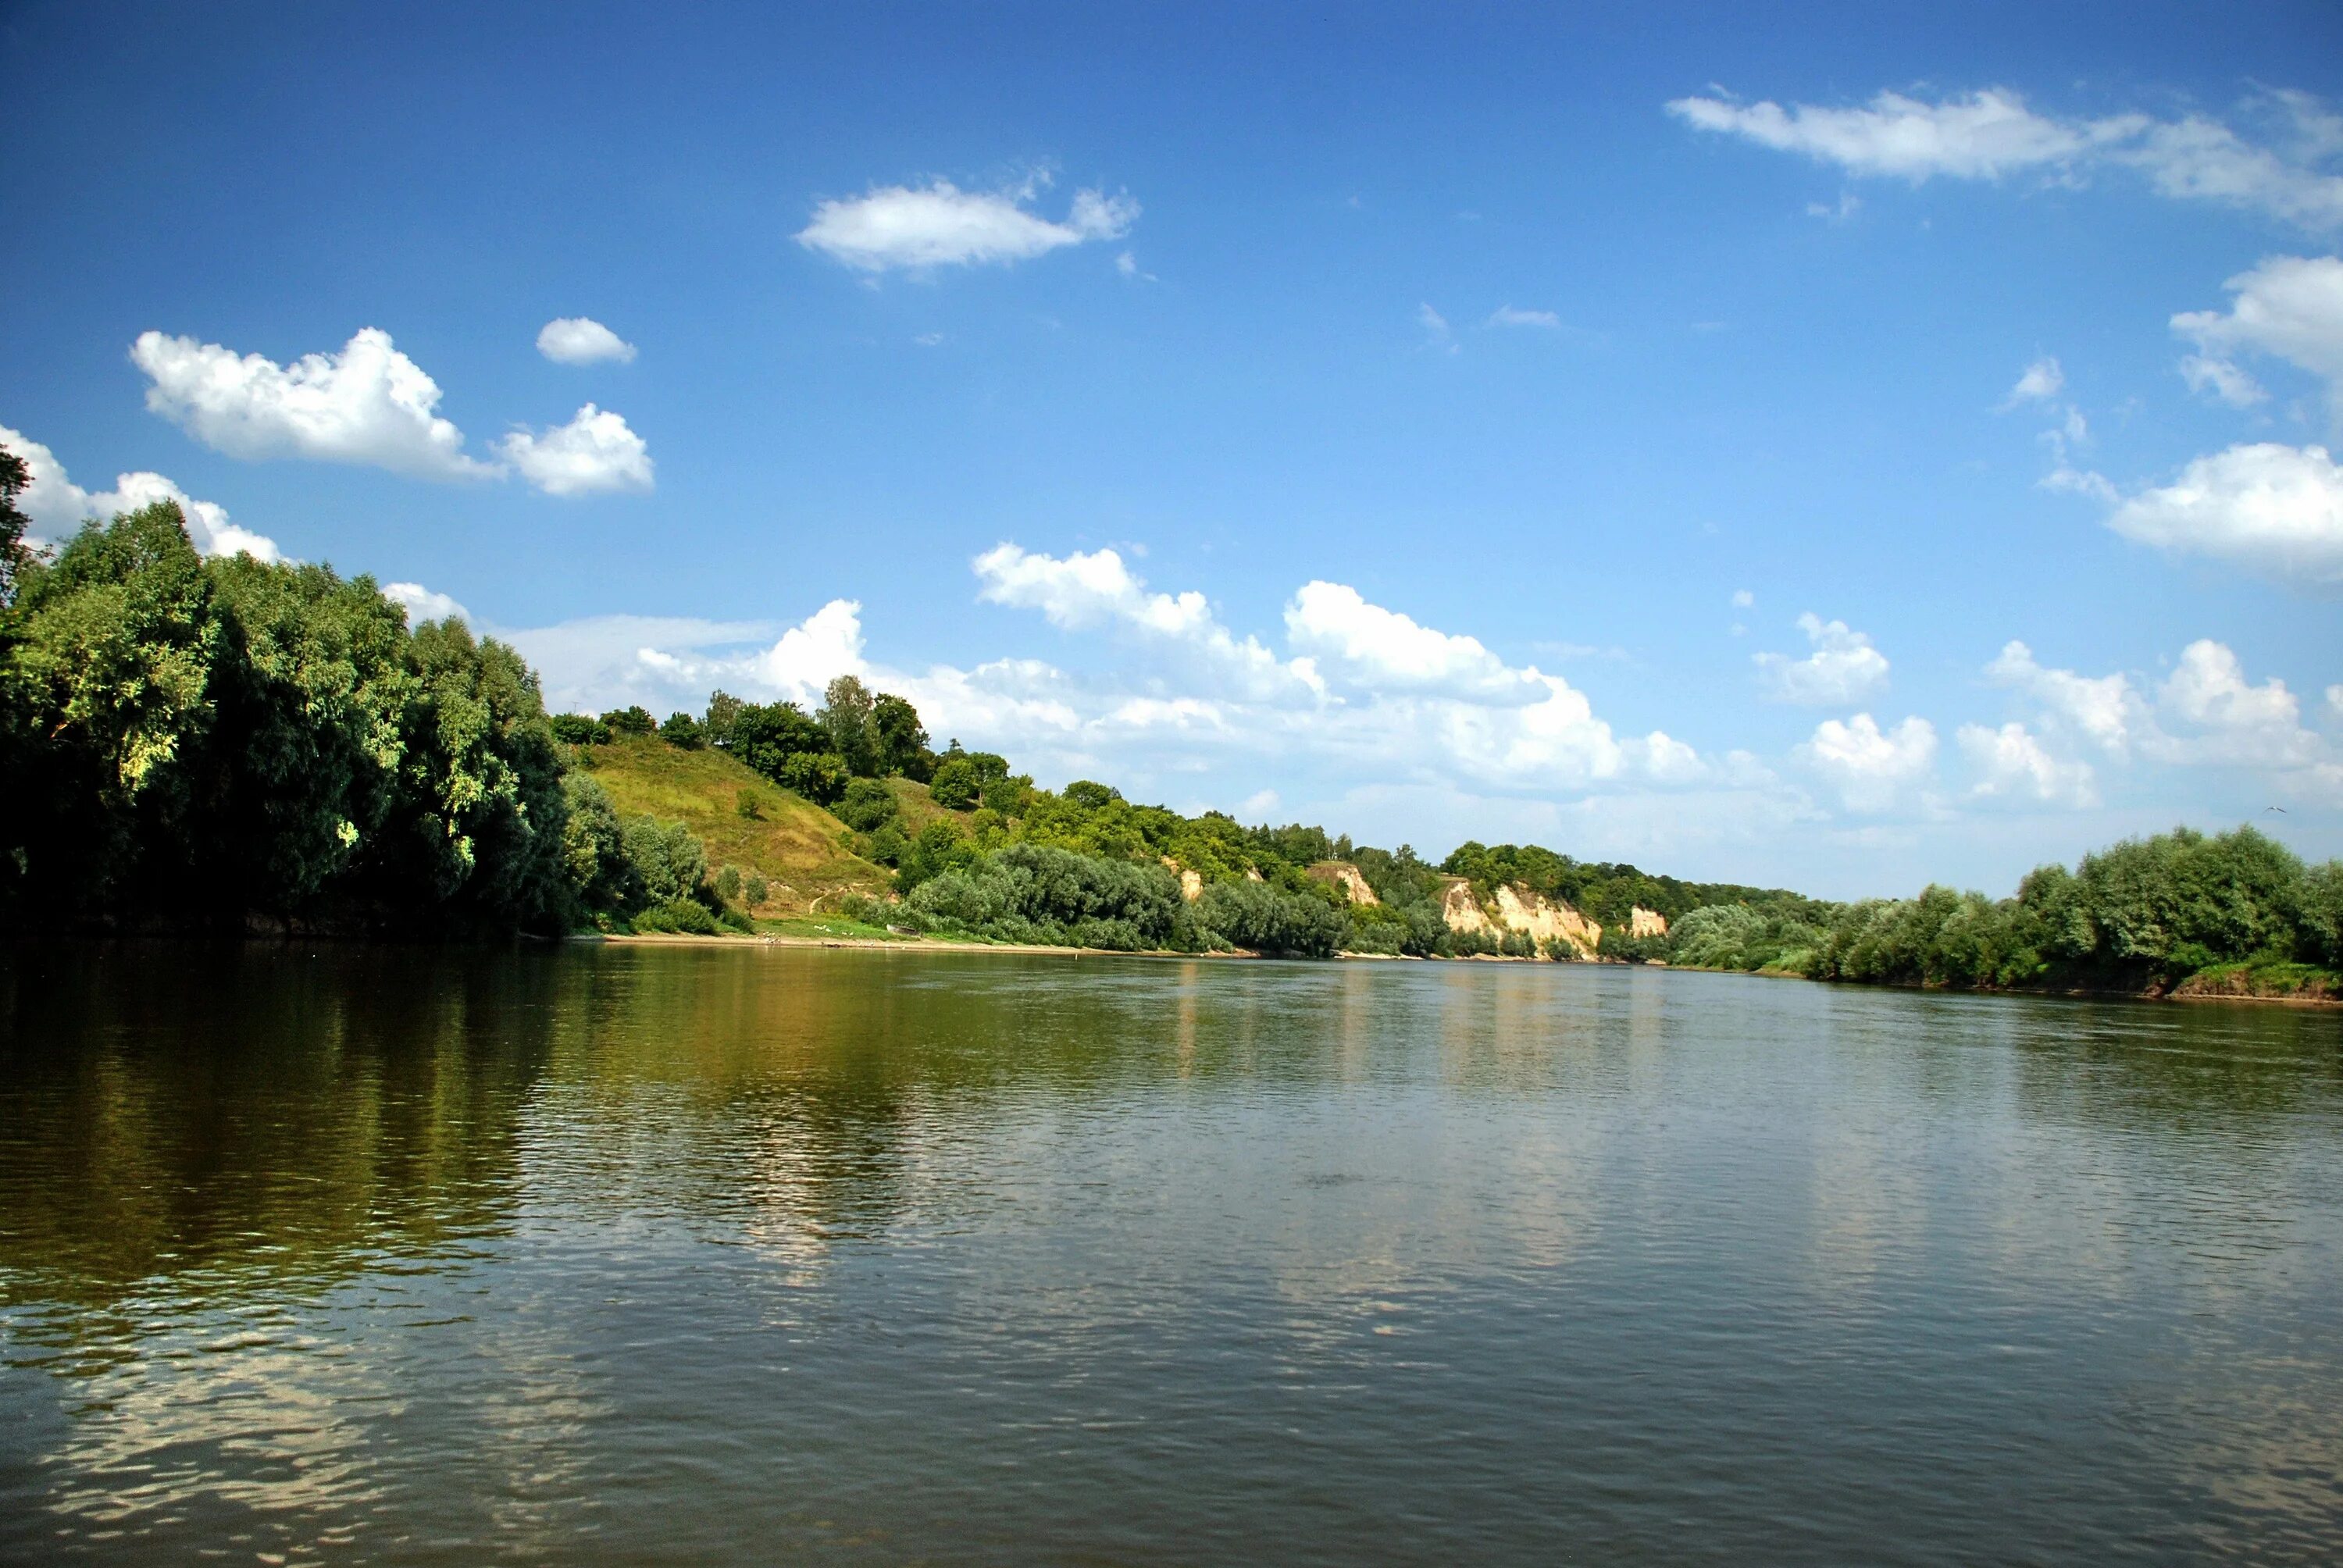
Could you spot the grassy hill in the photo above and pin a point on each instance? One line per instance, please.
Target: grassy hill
(803, 851)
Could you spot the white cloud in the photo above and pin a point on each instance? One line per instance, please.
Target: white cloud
(2104, 709)
(939, 225)
(1259, 805)
(2233, 722)
(1847, 205)
(2042, 381)
(2225, 380)
(422, 604)
(1507, 316)
(1981, 136)
(2011, 761)
(1992, 134)
(1843, 670)
(1390, 651)
(1742, 599)
(2270, 509)
(1084, 590)
(2335, 703)
(2290, 307)
(581, 340)
(58, 506)
(368, 404)
(1869, 767)
(595, 452)
(2204, 714)
(809, 656)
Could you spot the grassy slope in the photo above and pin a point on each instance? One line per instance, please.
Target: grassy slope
(918, 807)
(798, 847)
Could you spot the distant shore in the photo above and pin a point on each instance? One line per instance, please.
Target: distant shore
(933, 945)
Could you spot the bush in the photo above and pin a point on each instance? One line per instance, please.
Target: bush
(746, 803)
(1033, 893)
(682, 731)
(865, 805)
(1006, 796)
(578, 729)
(755, 889)
(681, 915)
(1256, 916)
(955, 786)
(669, 860)
(635, 721)
(728, 884)
(819, 776)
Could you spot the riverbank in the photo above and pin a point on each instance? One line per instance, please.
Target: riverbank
(2231, 984)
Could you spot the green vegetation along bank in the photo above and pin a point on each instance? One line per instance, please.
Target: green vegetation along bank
(232, 744)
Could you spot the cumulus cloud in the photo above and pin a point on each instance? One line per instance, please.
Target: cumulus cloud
(422, 604)
(939, 225)
(595, 452)
(2227, 719)
(1992, 134)
(2009, 761)
(368, 404)
(58, 506)
(2290, 307)
(2204, 714)
(1392, 651)
(1869, 767)
(1083, 590)
(1843, 670)
(581, 340)
(2103, 708)
(2268, 508)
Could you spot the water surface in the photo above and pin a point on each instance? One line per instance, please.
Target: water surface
(744, 1255)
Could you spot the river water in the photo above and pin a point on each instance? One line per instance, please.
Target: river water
(730, 1254)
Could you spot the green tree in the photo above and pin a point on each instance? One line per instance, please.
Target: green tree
(902, 742)
(847, 716)
(955, 786)
(672, 862)
(14, 478)
(682, 731)
(821, 776)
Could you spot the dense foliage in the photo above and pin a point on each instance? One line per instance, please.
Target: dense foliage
(2146, 914)
(191, 743)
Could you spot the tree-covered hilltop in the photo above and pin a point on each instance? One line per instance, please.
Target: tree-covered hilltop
(225, 744)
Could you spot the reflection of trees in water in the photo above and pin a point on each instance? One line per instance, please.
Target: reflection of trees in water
(234, 1117)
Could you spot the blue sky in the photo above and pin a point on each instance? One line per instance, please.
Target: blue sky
(1646, 438)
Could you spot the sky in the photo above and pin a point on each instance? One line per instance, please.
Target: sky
(1842, 454)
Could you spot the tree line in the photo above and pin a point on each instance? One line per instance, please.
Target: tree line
(204, 744)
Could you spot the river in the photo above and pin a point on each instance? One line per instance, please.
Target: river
(735, 1254)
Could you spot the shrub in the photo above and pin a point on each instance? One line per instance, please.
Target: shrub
(867, 804)
(755, 889)
(1263, 918)
(955, 786)
(635, 721)
(666, 856)
(578, 729)
(728, 884)
(682, 731)
(819, 776)
(679, 915)
(745, 802)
